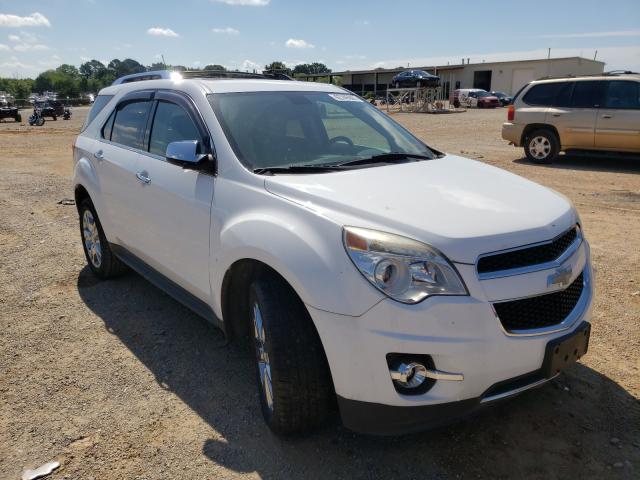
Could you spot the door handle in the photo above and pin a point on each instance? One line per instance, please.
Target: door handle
(556, 114)
(143, 177)
(99, 155)
(606, 115)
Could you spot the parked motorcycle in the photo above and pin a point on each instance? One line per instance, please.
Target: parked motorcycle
(36, 118)
(67, 114)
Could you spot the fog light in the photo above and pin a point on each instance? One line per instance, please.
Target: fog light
(410, 375)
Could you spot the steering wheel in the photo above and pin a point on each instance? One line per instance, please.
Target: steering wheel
(342, 139)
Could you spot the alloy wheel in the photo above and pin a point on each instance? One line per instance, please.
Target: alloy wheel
(91, 238)
(264, 367)
(540, 147)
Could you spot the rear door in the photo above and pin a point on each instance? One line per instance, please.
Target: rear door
(618, 122)
(575, 119)
(116, 153)
(175, 202)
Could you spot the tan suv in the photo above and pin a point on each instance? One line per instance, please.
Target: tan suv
(576, 113)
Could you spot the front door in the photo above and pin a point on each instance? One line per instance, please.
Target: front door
(175, 202)
(618, 123)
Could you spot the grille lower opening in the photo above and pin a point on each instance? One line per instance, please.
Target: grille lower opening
(541, 311)
(525, 257)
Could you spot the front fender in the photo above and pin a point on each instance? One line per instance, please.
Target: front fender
(306, 249)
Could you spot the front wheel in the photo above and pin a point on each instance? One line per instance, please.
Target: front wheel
(542, 146)
(39, 121)
(294, 382)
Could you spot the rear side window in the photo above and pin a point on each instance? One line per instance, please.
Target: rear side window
(587, 94)
(543, 94)
(171, 123)
(130, 122)
(100, 102)
(622, 94)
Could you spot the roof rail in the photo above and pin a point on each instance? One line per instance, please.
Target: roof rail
(267, 74)
(138, 77)
(166, 74)
(611, 73)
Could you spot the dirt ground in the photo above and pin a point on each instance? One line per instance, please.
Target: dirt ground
(118, 381)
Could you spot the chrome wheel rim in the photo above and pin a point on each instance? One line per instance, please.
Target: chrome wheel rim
(540, 147)
(91, 239)
(264, 367)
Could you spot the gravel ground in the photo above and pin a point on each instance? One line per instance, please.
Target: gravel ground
(118, 381)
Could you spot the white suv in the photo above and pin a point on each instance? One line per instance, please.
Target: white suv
(412, 286)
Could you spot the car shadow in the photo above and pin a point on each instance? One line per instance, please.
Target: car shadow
(596, 163)
(546, 433)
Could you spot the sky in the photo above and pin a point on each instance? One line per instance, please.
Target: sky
(36, 35)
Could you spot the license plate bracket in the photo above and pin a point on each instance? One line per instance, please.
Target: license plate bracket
(562, 352)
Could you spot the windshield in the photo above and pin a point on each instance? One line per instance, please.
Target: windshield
(483, 94)
(283, 129)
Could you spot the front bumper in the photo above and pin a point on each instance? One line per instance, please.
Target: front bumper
(378, 419)
(461, 334)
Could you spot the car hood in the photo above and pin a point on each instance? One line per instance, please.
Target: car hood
(460, 206)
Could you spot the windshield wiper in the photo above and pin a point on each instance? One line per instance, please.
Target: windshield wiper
(296, 169)
(386, 158)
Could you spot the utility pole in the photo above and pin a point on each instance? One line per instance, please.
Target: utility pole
(164, 64)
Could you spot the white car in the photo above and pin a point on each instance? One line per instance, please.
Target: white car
(415, 287)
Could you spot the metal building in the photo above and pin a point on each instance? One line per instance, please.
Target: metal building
(505, 77)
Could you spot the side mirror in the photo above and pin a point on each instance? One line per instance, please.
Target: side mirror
(184, 153)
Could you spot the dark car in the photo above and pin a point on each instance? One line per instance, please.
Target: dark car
(9, 111)
(503, 97)
(415, 78)
(51, 108)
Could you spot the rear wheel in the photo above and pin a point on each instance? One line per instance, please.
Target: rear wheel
(542, 146)
(294, 382)
(99, 256)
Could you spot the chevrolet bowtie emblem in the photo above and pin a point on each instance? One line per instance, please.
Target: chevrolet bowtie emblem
(561, 277)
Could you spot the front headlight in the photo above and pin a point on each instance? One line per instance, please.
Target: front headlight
(404, 269)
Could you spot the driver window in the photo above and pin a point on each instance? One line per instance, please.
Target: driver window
(171, 123)
(342, 124)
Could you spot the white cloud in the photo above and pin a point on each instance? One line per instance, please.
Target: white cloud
(162, 32)
(245, 3)
(226, 30)
(14, 38)
(618, 33)
(30, 47)
(298, 43)
(34, 20)
(4, 48)
(15, 63)
(251, 65)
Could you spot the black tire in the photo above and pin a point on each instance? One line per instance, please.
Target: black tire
(109, 265)
(302, 390)
(54, 117)
(39, 121)
(18, 117)
(541, 146)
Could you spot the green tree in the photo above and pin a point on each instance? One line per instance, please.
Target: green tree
(311, 68)
(279, 67)
(93, 69)
(215, 66)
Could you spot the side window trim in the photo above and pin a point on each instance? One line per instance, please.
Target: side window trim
(135, 96)
(185, 101)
